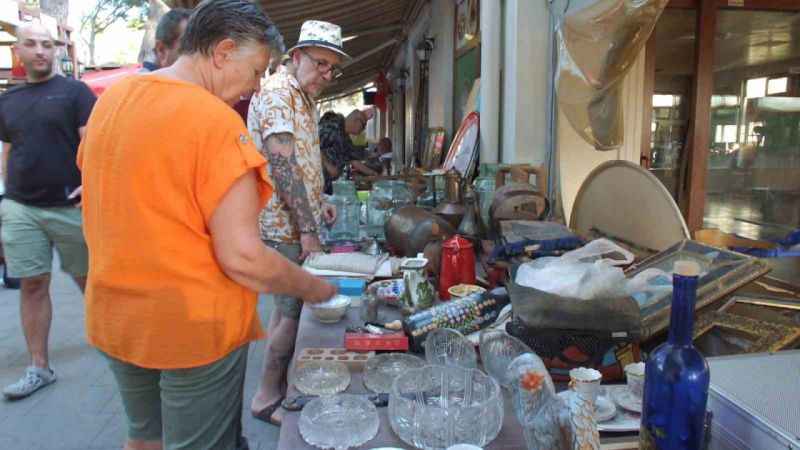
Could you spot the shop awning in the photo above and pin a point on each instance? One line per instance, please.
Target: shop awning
(100, 80)
(372, 30)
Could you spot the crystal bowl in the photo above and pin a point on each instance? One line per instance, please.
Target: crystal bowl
(321, 377)
(435, 407)
(339, 422)
(381, 370)
(447, 347)
(331, 311)
(498, 349)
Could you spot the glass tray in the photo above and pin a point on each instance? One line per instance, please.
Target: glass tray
(339, 422)
(321, 378)
(381, 370)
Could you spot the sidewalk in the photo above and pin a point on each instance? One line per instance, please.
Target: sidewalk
(82, 409)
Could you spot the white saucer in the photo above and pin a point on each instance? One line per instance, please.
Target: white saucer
(604, 409)
(626, 399)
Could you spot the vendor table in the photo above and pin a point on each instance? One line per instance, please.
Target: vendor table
(311, 334)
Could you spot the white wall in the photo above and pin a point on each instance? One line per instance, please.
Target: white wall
(491, 97)
(525, 82)
(440, 95)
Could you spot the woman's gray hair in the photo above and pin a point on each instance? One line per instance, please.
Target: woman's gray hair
(240, 20)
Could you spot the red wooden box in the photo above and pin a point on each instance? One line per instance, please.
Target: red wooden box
(363, 342)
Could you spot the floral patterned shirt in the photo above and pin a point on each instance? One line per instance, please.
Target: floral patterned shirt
(282, 107)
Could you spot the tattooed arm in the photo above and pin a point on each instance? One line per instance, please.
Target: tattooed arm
(289, 184)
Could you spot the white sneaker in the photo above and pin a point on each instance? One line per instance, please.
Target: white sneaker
(34, 379)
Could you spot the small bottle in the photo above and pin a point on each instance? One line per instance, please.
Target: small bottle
(676, 376)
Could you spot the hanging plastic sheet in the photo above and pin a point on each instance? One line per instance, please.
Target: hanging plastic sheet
(597, 45)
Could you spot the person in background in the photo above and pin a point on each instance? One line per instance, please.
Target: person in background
(283, 123)
(41, 124)
(171, 203)
(338, 150)
(169, 31)
(366, 114)
(376, 162)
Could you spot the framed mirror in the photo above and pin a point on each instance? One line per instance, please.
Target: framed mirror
(464, 148)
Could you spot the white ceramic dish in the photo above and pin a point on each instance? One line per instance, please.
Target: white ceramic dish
(625, 398)
(604, 409)
(623, 421)
(331, 311)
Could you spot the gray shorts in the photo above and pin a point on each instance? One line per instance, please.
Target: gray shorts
(288, 306)
(197, 408)
(29, 234)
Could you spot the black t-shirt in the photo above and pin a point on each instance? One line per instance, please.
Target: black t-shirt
(41, 122)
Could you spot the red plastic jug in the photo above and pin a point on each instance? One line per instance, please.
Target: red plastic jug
(458, 265)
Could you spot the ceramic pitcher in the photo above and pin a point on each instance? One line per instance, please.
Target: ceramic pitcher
(419, 293)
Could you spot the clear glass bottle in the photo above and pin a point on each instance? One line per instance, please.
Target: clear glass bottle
(676, 376)
(348, 211)
(386, 197)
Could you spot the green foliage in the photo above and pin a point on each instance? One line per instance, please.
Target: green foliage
(106, 12)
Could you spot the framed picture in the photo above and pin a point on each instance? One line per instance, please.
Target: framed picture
(432, 157)
(720, 334)
(467, 24)
(722, 272)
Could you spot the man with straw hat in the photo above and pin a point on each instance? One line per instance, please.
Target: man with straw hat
(283, 123)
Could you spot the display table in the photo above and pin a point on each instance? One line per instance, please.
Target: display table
(311, 334)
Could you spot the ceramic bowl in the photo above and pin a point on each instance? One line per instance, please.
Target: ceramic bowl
(463, 290)
(331, 311)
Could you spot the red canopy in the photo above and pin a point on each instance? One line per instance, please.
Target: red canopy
(100, 80)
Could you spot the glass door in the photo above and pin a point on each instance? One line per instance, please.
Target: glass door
(753, 177)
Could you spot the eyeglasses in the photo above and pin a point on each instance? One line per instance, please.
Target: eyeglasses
(324, 67)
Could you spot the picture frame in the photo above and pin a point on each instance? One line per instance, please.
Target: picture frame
(467, 27)
(722, 272)
(720, 334)
(434, 145)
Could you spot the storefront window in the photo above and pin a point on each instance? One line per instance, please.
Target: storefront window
(674, 77)
(753, 179)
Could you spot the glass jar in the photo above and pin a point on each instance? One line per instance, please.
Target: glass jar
(485, 186)
(386, 197)
(348, 211)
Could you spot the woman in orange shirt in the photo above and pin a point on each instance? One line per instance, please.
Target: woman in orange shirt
(172, 189)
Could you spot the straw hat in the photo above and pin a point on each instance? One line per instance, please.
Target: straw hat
(316, 33)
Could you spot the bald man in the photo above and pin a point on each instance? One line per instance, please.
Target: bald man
(41, 125)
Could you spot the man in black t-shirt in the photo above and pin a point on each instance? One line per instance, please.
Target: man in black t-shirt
(41, 125)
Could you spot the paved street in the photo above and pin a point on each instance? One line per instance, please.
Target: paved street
(82, 410)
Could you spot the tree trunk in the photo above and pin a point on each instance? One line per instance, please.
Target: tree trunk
(92, 40)
(157, 9)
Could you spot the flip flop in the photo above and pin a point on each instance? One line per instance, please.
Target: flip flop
(265, 415)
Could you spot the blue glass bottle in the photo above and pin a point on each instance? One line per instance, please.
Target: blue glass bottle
(676, 376)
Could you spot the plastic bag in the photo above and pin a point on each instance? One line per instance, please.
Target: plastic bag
(572, 278)
(602, 250)
(597, 46)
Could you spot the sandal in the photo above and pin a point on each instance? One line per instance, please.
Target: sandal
(265, 415)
